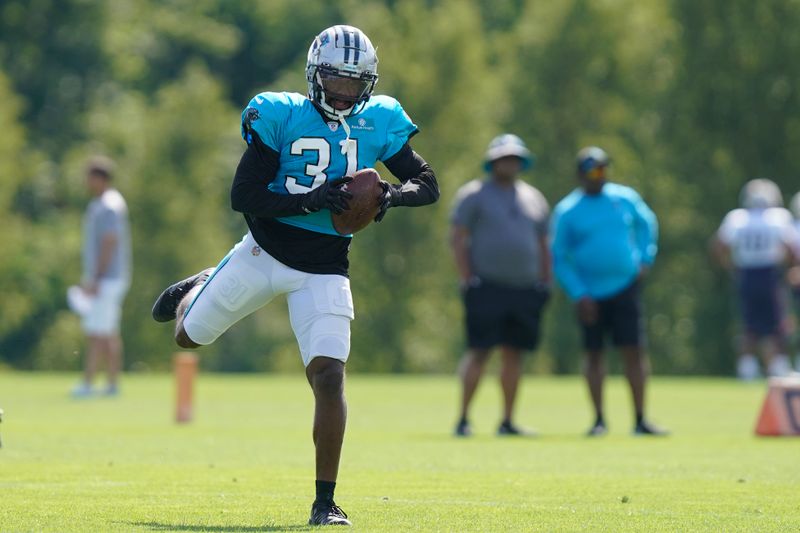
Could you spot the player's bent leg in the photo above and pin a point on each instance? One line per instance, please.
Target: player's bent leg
(241, 284)
(182, 338)
(166, 305)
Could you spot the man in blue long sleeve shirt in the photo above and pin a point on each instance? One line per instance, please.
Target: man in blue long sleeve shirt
(604, 242)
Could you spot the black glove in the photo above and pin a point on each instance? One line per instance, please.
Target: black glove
(391, 198)
(329, 195)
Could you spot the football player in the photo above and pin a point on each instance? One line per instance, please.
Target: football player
(755, 241)
(300, 150)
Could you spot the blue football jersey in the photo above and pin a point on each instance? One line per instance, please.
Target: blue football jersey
(311, 147)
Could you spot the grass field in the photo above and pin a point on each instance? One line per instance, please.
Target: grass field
(246, 463)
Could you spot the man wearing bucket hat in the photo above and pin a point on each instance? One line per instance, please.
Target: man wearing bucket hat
(604, 241)
(499, 240)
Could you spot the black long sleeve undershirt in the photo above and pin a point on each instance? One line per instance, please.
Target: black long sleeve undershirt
(249, 193)
(419, 186)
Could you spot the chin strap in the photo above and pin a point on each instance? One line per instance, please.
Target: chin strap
(348, 145)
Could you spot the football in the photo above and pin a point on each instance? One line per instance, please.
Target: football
(364, 204)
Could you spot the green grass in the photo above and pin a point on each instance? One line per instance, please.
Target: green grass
(246, 463)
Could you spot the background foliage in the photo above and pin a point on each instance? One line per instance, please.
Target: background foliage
(690, 98)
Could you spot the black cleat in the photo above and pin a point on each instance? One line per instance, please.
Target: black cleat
(597, 430)
(463, 429)
(328, 514)
(507, 428)
(167, 303)
(646, 428)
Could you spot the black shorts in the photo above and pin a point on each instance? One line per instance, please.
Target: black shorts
(504, 316)
(760, 301)
(619, 315)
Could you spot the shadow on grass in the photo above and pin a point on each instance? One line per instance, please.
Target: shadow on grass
(159, 526)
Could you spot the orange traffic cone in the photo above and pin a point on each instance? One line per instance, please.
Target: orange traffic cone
(780, 413)
(185, 370)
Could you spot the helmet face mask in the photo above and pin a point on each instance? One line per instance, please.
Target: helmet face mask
(345, 88)
(341, 69)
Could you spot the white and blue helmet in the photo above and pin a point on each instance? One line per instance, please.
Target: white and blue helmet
(760, 194)
(506, 145)
(342, 65)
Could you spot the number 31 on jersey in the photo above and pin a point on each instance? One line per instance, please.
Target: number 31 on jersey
(315, 174)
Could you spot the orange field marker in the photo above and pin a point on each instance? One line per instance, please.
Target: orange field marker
(185, 364)
(780, 413)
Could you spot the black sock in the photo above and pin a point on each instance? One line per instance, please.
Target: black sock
(639, 418)
(463, 421)
(599, 421)
(325, 491)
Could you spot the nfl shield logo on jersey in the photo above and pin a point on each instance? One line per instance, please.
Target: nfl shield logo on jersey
(333, 126)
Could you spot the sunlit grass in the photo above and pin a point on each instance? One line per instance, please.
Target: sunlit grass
(246, 462)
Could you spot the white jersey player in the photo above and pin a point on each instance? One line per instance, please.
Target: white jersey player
(757, 240)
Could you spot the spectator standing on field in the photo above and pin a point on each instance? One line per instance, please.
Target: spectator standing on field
(755, 242)
(499, 240)
(604, 242)
(106, 276)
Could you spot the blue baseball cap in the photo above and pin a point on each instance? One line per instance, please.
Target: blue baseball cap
(591, 157)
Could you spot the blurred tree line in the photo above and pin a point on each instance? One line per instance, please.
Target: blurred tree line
(691, 99)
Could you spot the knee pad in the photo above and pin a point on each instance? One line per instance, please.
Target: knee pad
(329, 337)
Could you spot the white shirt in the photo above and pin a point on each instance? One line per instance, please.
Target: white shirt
(759, 237)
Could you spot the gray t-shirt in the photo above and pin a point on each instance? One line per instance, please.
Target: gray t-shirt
(108, 213)
(505, 225)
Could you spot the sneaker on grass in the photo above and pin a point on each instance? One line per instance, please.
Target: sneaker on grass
(327, 514)
(646, 428)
